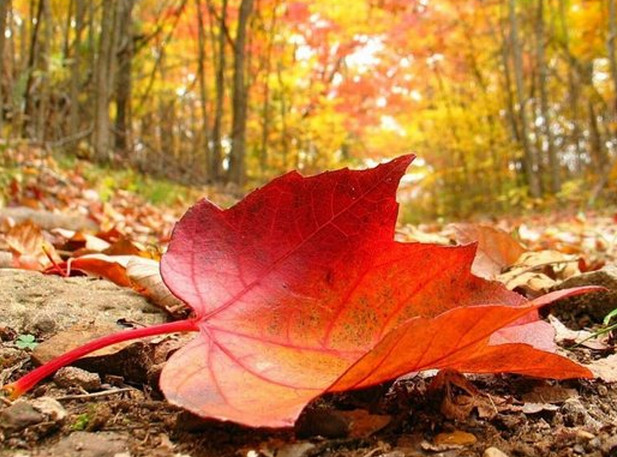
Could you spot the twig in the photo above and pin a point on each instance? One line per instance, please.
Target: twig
(95, 394)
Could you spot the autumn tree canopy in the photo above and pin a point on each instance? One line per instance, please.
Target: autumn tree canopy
(505, 102)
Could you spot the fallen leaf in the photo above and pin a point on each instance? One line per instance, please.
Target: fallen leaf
(455, 438)
(496, 248)
(112, 268)
(583, 337)
(536, 273)
(28, 245)
(76, 240)
(535, 408)
(363, 424)
(604, 369)
(145, 276)
(549, 394)
(301, 282)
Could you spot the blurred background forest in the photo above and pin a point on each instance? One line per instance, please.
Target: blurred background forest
(507, 103)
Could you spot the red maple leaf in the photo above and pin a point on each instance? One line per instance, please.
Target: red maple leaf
(300, 289)
(301, 279)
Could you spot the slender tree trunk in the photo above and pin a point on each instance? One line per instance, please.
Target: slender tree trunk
(284, 142)
(606, 167)
(74, 119)
(4, 9)
(124, 80)
(217, 137)
(204, 135)
(103, 83)
(237, 171)
(553, 161)
(44, 89)
(573, 89)
(529, 162)
(265, 129)
(612, 54)
(33, 59)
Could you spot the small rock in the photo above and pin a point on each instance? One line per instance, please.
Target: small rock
(10, 356)
(43, 325)
(584, 434)
(50, 407)
(295, 449)
(494, 452)
(85, 444)
(76, 377)
(20, 415)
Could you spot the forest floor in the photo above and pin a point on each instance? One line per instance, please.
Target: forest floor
(109, 404)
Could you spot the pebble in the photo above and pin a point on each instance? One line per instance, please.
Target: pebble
(76, 377)
(10, 356)
(85, 444)
(20, 415)
(584, 434)
(494, 452)
(50, 407)
(24, 413)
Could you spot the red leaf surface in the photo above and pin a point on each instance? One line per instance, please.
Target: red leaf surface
(300, 289)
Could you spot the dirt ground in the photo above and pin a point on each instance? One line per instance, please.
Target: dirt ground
(114, 408)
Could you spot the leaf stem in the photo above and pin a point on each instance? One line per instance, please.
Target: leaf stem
(27, 382)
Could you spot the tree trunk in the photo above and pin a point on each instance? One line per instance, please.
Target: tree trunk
(612, 55)
(4, 9)
(529, 160)
(103, 83)
(237, 172)
(33, 59)
(124, 80)
(42, 108)
(217, 137)
(204, 131)
(573, 89)
(265, 129)
(284, 142)
(80, 13)
(553, 161)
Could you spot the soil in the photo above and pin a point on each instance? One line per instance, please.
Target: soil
(125, 415)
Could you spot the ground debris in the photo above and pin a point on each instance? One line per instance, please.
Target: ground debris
(76, 377)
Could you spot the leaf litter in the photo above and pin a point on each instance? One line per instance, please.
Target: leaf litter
(394, 434)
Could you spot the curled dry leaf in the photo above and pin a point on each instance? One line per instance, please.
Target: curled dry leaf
(496, 248)
(28, 245)
(145, 275)
(536, 273)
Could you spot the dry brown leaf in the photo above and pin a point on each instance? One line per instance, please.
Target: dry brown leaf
(28, 245)
(535, 273)
(496, 248)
